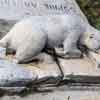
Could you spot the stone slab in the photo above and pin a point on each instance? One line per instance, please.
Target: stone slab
(80, 67)
(95, 58)
(59, 94)
(19, 9)
(26, 8)
(79, 70)
(47, 71)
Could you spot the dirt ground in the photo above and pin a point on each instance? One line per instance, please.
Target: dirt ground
(62, 93)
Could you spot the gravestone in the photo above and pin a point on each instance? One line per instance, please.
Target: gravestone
(72, 69)
(14, 10)
(22, 8)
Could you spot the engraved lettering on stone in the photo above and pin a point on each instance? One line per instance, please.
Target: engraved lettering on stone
(55, 7)
(27, 4)
(30, 4)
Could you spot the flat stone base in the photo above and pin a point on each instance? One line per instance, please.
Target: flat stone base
(62, 93)
(75, 70)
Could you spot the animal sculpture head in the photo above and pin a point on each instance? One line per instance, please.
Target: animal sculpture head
(93, 39)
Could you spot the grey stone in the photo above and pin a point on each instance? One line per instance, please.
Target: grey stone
(13, 76)
(28, 8)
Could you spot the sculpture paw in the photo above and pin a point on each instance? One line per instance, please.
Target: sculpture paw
(73, 54)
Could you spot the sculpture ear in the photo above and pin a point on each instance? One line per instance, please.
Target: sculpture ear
(5, 41)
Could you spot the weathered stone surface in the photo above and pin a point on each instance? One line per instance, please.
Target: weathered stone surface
(78, 27)
(78, 70)
(13, 76)
(29, 36)
(47, 71)
(95, 58)
(59, 94)
(78, 67)
(25, 8)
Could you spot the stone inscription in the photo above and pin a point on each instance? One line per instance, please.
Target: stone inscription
(31, 4)
(16, 3)
(17, 9)
(55, 7)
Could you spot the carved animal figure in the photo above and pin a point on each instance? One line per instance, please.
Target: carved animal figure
(30, 36)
